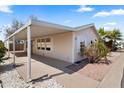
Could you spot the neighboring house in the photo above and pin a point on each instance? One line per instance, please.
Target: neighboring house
(57, 41)
(19, 46)
(119, 44)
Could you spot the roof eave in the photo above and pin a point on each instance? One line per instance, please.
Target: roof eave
(39, 22)
(84, 27)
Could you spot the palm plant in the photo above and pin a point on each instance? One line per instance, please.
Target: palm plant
(112, 35)
(96, 51)
(102, 32)
(116, 35)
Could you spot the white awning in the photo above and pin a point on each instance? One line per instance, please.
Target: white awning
(41, 28)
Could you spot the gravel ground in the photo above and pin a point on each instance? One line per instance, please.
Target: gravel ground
(97, 71)
(11, 79)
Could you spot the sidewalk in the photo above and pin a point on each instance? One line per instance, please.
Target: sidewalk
(76, 81)
(114, 76)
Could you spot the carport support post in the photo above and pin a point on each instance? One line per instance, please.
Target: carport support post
(29, 53)
(14, 50)
(25, 46)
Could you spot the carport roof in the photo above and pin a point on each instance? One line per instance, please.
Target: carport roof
(42, 28)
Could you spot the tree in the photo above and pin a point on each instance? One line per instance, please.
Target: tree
(33, 17)
(15, 25)
(116, 35)
(102, 32)
(2, 50)
(112, 35)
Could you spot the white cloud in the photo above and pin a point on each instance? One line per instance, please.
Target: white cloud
(102, 14)
(108, 28)
(67, 21)
(84, 8)
(110, 24)
(117, 12)
(5, 9)
(110, 13)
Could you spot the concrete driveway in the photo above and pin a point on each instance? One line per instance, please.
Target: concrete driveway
(46, 68)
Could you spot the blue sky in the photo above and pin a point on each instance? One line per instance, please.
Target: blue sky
(103, 16)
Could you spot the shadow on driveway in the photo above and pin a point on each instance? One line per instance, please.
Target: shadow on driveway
(46, 77)
(8, 67)
(66, 67)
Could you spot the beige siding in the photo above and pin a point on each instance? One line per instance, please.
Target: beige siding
(62, 47)
(83, 35)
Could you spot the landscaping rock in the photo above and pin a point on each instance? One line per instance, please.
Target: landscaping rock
(11, 79)
(1, 86)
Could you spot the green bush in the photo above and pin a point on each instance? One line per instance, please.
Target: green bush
(96, 51)
(2, 51)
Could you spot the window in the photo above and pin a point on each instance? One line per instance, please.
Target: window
(38, 40)
(48, 48)
(44, 44)
(47, 39)
(48, 44)
(42, 48)
(38, 44)
(42, 40)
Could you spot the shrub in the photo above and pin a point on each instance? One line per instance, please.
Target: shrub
(96, 51)
(2, 51)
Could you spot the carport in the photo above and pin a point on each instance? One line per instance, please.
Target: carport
(31, 30)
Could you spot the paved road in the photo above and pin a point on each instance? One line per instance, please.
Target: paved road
(114, 76)
(122, 81)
